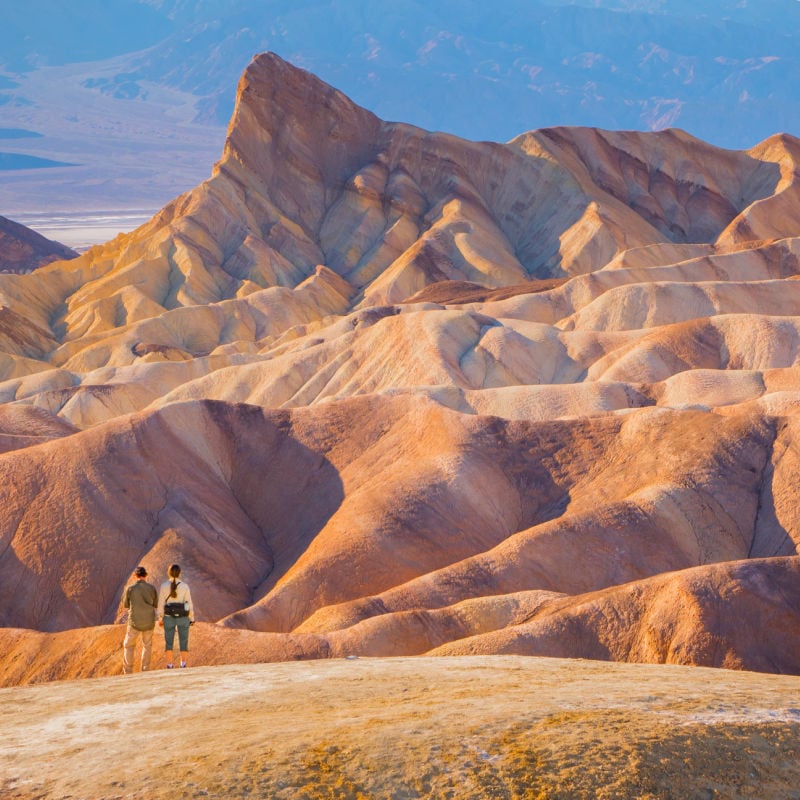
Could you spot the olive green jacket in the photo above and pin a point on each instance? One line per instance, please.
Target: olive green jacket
(142, 599)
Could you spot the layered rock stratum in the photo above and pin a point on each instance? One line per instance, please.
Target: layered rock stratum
(383, 391)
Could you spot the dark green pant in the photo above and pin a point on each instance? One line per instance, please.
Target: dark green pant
(182, 626)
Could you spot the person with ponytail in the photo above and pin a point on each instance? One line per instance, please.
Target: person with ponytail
(175, 612)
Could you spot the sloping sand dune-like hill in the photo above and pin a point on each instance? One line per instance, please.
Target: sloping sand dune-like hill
(382, 391)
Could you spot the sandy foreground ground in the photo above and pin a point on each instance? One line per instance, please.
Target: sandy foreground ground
(463, 727)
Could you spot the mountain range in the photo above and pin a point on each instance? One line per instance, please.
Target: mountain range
(383, 391)
(137, 96)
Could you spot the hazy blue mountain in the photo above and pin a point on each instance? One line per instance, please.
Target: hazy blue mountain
(718, 69)
(138, 92)
(37, 33)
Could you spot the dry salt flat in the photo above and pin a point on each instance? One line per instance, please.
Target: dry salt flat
(82, 229)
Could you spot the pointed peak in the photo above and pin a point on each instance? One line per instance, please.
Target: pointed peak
(282, 100)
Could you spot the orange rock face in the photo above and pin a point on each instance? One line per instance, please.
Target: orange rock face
(388, 392)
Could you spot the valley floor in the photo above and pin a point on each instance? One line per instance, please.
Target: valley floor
(466, 727)
(82, 229)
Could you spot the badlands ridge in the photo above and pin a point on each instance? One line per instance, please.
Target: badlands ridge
(387, 392)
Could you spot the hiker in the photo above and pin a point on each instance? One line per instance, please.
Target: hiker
(141, 598)
(175, 611)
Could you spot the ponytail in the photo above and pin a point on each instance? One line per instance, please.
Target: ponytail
(174, 573)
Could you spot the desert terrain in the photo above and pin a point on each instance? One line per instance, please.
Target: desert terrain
(387, 392)
(476, 456)
(463, 727)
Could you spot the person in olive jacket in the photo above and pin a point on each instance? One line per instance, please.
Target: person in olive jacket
(141, 598)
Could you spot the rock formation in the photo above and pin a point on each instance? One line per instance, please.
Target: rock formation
(382, 391)
(23, 250)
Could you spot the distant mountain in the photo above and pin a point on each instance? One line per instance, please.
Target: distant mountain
(482, 71)
(491, 71)
(140, 92)
(40, 33)
(23, 250)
